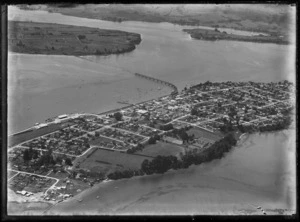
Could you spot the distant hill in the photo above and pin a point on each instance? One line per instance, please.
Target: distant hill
(253, 17)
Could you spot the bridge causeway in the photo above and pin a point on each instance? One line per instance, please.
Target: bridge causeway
(175, 90)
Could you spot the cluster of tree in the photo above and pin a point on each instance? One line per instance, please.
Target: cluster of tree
(280, 125)
(20, 44)
(118, 116)
(227, 126)
(135, 149)
(124, 174)
(81, 37)
(182, 134)
(161, 164)
(30, 154)
(45, 159)
(194, 111)
(166, 127)
(153, 139)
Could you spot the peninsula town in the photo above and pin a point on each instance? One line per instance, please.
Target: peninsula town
(58, 159)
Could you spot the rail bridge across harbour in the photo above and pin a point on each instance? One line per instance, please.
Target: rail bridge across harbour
(175, 90)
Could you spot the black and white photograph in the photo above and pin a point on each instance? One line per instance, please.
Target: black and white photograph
(151, 109)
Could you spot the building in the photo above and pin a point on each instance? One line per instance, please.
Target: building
(62, 116)
(141, 111)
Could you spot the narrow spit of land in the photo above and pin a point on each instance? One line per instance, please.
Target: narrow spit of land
(55, 39)
(214, 35)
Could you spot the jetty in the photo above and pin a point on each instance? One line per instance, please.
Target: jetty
(175, 90)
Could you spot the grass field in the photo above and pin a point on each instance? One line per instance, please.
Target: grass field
(161, 148)
(28, 135)
(198, 132)
(107, 161)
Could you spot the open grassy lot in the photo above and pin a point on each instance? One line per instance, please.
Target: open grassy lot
(161, 148)
(55, 39)
(28, 135)
(198, 132)
(105, 160)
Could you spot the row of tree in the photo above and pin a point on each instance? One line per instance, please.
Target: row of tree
(166, 127)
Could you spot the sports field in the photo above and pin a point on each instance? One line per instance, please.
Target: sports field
(108, 160)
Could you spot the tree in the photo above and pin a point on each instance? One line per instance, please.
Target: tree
(81, 37)
(58, 159)
(118, 116)
(26, 157)
(166, 127)
(145, 167)
(194, 112)
(35, 154)
(184, 136)
(68, 161)
(152, 140)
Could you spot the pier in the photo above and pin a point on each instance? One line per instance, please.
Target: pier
(175, 90)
